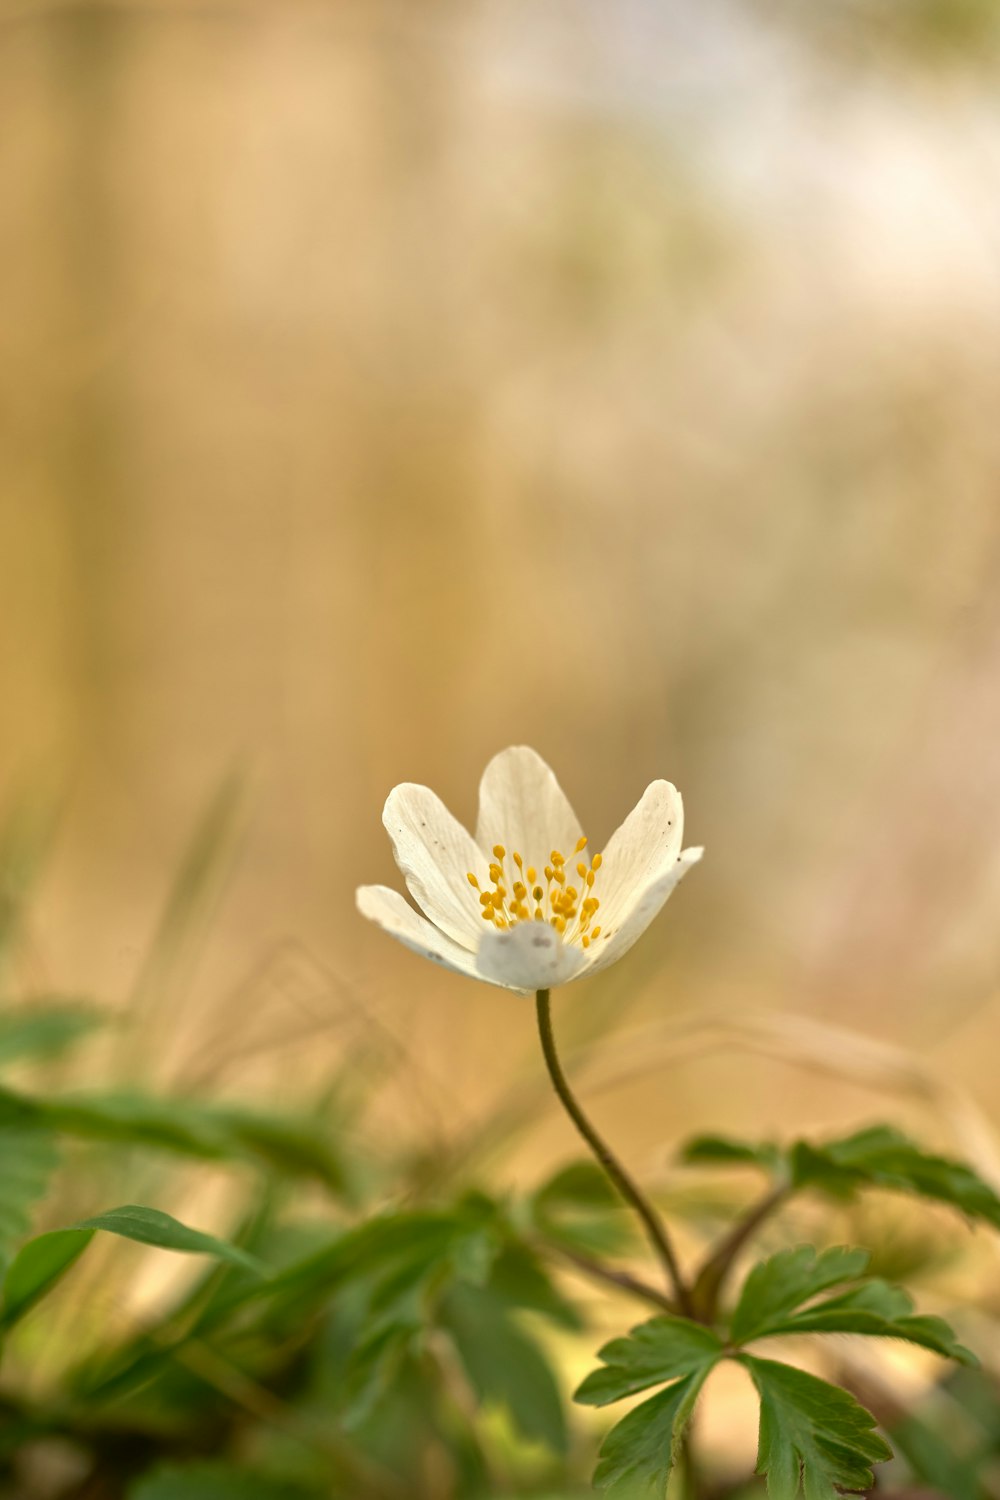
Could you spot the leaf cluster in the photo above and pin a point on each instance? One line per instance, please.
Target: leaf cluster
(813, 1435)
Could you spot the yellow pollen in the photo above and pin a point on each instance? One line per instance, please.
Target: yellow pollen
(581, 843)
(570, 909)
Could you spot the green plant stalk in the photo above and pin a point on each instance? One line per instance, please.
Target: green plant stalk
(708, 1282)
(655, 1229)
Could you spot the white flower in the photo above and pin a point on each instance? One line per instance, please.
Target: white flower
(522, 905)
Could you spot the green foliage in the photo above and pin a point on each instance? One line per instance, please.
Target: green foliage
(353, 1337)
(300, 1147)
(657, 1351)
(45, 1027)
(644, 1446)
(813, 1435)
(877, 1157)
(804, 1428)
(884, 1157)
(726, 1151)
(151, 1226)
(37, 1267)
(579, 1209)
(28, 1158)
(505, 1366)
(212, 1481)
(785, 1281)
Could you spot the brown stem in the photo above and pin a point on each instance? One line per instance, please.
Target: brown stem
(709, 1280)
(624, 1280)
(654, 1227)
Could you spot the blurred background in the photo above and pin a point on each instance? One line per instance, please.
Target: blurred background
(383, 384)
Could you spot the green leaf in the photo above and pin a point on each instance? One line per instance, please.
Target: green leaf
(726, 1151)
(582, 1184)
(642, 1448)
(579, 1208)
(216, 1481)
(151, 1226)
(519, 1279)
(883, 1157)
(788, 1279)
(879, 1310)
(299, 1147)
(653, 1353)
(36, 1269)
(813, 1435)
(28, 1158)
(505, 1367)
(45, 1027)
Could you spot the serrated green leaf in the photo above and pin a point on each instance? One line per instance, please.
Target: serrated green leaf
(784, 1281)
(884, 1157)
(216, 1481)
(151, 1226)
(36, 1269)
(726, 1151)
(505, 1366)
(45, 1027)
(813, 1435)
(878, 1310)
(654, 1352)
(642, 1448)
(28, 1158)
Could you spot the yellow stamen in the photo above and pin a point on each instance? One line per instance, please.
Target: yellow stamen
(568, 908)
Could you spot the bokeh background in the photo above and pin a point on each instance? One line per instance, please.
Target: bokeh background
(385, 383)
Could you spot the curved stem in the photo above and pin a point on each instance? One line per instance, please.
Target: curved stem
(612, 1276)
(655, 1230)
(709, 1280)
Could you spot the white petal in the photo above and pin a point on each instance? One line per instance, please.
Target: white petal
(528, 956)
(645, 907)
(394, 915)
(523, 807)
(640, 852)
(435, 854)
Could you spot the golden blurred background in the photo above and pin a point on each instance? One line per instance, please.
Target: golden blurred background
(386, 383)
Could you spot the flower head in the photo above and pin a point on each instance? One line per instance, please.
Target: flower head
(525, 904)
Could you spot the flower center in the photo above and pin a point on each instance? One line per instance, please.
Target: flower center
(522, 897)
